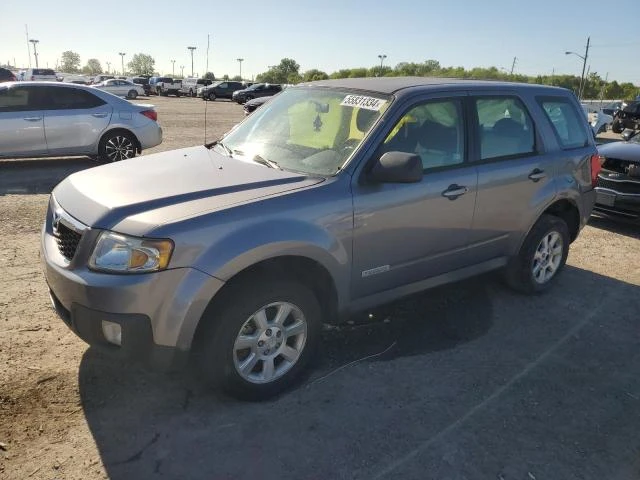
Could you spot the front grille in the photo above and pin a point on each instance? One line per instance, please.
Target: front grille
(620, 187)
(67, 240)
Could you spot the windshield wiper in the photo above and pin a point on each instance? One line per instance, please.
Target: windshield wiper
(218, 143)
(268, 163)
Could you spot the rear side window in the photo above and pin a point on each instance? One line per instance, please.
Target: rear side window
(43, 71)
(61, 98)
(568, 124)
(505, 128)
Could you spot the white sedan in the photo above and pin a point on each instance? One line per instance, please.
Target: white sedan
(121, 88)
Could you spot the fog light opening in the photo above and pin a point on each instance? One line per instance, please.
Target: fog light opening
(112, 332)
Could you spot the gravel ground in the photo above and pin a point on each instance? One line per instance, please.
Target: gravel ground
(467, 381)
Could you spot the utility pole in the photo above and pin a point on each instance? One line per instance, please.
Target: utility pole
(381, 57)
(240, 60)
(553, 74)
(513, 65)
(26, 31)
(122, 54)
(584, 66)
(182, 71)
(108, 67)
(35, 50)
(192, 49)
(173, 68)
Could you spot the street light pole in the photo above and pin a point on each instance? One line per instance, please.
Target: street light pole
(240, 60)
(122, 54)
(173, 68)
(35, 50)
(381, 57)
(192, 49)
(182, 71)
(584, 66)
(108, 67)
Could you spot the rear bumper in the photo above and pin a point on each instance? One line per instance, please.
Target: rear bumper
(149, 135)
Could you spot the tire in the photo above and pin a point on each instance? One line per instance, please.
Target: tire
(132, 94)
(524, 272)
(178, 94)
(221, 358)
(247, 98)
(617, 126)
(191, 93)
(211, 96)
(116, 146)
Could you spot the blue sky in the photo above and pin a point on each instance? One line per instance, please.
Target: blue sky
(331, 34)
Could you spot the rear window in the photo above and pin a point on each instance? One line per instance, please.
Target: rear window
(43, 71)
(14, 99)
(568, 124)
(62, 98)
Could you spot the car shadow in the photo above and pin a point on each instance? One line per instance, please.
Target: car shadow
(624, 227)
(430, 356)
(39, 175)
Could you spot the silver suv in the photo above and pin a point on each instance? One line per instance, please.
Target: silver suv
(341, 196)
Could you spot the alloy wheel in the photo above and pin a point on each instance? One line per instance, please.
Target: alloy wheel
(548, 257)
(119, 147)
(270, 342)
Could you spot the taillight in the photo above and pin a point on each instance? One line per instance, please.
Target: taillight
(150, 114)
(596, 166)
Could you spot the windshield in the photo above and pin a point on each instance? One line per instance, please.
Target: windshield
(309, 130)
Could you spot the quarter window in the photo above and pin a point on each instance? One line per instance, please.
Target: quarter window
(505, 128)
(434, 131)
(568, 124)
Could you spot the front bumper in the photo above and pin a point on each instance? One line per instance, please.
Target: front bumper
(158, 312)
(618, 198)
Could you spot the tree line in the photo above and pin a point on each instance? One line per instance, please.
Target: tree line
(288, 71)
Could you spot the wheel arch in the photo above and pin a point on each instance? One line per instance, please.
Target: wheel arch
(299, 268)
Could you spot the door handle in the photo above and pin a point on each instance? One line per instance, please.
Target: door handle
(99, 115)
(537, 174)
(33, 119)
(454, 191)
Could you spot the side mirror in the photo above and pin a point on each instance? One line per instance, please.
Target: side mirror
(397, 167)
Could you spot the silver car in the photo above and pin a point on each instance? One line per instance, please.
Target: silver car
(39, 119)
(339, 196)
(121, 88)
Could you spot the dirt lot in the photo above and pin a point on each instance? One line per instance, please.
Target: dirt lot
(467, 381)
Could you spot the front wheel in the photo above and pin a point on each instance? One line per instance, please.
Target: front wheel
(542, 256)
(132, 94)
(211, 96)
(261, 338)
(617, 126)
(117, 146)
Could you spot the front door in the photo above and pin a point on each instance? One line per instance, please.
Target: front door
(404, 233)
(21, 122)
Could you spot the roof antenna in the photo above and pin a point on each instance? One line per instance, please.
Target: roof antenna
(205, 103)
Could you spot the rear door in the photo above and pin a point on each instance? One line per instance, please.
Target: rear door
(74, 119)
(21, 122)
(514, 174)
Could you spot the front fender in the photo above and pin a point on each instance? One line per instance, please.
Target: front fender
(242, 248)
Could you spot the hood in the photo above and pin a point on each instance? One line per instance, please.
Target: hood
(135, 196)
(628, 151)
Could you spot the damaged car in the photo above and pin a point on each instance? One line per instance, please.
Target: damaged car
(618, 185)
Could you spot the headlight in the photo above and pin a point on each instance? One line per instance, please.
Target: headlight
(119, 253)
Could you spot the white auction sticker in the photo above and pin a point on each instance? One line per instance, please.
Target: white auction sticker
(362, 101)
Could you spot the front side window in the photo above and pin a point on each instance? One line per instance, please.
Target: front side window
(568, 124)
(15, 99)
(433, 130)
(505, 128)
(309, 130)
(222, 85)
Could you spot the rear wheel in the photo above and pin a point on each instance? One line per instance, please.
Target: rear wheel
(542, 256)
(116, 146)
(191, 94)
(132, 94)
(257, 345)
